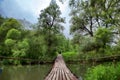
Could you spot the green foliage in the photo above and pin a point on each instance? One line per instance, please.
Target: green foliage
(37, 47)
(40, 43)
(89, 15)
(23, 45)
(71, 55)
(101, 72)
(117, 48)
(50, 19)
(63, 44)
(87, 45)
(7, 25)
(50, 27)
(93, 24)
(13, 34)
(11, 23)
(98, 46)
(9, 42)
(98, 20)
(1, 20)
(20, 49)
(103, 36)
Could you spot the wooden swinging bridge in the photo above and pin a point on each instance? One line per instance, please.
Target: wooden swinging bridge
(60, 71)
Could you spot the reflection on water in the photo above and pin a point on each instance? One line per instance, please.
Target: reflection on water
(36, 72)
(0, 70)
(79, 69)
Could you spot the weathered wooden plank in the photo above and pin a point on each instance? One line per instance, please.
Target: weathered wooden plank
(63, 75)
(60, 76)
(60, 71)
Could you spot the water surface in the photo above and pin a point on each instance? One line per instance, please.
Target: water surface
(37, 72)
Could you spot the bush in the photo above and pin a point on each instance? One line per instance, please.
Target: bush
(9, 42)
(13, 34)
(101, 72)
(70, 55)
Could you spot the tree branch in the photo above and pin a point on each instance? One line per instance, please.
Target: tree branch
(52, 21)
(91, 25)
(86, 29)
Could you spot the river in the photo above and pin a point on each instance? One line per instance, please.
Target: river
(37, 72)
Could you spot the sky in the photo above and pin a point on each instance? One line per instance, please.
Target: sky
(30, 10)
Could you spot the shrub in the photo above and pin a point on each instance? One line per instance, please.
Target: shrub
(101, 72)
(71, 55)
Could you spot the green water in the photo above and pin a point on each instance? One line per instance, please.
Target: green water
(36, 72)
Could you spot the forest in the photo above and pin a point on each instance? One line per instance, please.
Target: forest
(94, 27)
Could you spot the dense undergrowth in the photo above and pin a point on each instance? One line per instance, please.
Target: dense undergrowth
(103, 72)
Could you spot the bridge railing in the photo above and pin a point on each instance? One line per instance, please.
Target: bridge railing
(90, 59)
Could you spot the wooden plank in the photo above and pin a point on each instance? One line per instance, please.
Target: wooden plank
(60, 76)
(57, 74)
(60, 71)
(63, 75)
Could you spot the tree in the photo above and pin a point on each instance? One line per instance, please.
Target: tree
(20, 49)
(49, 25)
(103, 37)
(8, 29)
(88, 15)
(37, 48)
(7, 25)
(96, 19)
(2, 19)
